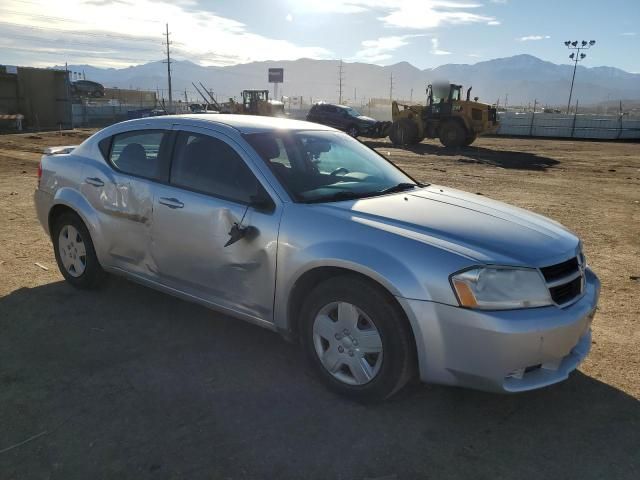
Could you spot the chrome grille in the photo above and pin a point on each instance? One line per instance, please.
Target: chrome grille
(565, 280)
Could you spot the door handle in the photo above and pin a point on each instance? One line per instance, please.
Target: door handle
(171, 202)
(95, 181)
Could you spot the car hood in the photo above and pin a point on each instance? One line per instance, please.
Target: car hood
(479, 228)
(365, 119)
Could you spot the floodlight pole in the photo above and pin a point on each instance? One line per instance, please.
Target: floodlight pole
(575, 45)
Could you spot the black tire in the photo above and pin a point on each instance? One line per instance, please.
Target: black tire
(404, 132)
(93, 274)
(398, 363)
(471, 137)
(352, 130)
(452, 134)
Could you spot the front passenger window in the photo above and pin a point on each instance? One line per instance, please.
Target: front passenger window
(209, 165)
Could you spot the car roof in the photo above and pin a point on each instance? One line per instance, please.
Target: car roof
(242, 123)
(337, 105)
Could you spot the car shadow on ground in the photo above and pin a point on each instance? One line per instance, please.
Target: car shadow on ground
(497, 158)
(126, 382)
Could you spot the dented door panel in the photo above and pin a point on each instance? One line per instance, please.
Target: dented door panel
(124, 205)
(187, 245)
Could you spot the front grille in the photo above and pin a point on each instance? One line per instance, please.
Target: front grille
(566, 292)
(554, 272)
(565, 280)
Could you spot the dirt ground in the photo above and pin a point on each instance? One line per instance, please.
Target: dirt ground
(127, 382)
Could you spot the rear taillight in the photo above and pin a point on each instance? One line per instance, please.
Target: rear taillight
(39, 172)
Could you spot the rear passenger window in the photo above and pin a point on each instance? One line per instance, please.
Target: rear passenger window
(208, 165)
(137, 153)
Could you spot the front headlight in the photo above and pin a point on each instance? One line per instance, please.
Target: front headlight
(500, 288)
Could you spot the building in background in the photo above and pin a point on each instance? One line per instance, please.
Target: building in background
(40, 95)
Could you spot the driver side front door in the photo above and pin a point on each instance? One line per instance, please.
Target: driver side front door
(211, 186)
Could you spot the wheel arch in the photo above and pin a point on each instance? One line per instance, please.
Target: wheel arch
(318, 274)
(70, 200)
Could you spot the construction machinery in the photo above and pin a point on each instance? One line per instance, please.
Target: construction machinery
(456, 122)
(256, 102)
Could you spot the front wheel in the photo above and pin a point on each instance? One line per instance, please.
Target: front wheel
(353, 131)
(357, 339)
(404, 131)
(74, 252)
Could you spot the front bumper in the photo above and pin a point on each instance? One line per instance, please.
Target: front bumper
(502, 351)
(376, 130)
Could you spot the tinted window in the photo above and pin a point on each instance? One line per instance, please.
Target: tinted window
(137, 153)
(211, 166)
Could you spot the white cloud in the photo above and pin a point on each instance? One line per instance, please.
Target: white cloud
(135, 27)
(378, 50)
(413, 14)
(289, 17)
(493, 22)
(435, 48)
(628, 34)
(529, 38)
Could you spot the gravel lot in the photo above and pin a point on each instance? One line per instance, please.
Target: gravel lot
(127, 382)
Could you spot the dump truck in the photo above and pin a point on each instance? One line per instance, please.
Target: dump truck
(456, 122)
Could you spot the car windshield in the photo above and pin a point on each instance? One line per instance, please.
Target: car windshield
(353, 112)
(320, 166)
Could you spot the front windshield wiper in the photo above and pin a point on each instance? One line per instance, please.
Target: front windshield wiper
(338, 196)
(350, 195)
(400, 187)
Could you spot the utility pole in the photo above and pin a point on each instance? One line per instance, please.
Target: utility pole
(168, 62)
(411, 96)
(576, 57)
(340, 80)
(391, 88)
(355, 97)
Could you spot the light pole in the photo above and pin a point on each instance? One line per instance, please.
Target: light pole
(576, 57)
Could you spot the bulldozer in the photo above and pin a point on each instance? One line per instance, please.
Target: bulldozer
(256, 102)
(456, 122)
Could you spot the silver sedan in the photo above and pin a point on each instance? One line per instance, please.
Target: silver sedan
(303, 230)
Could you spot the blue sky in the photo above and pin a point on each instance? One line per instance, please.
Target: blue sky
(425, 33)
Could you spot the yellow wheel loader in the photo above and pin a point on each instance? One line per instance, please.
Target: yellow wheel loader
(446, 116)
(256, 102)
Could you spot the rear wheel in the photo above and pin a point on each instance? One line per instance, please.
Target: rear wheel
(74, 252)
(356, 339)
(452, 134)
(404, 132)
(471, 137)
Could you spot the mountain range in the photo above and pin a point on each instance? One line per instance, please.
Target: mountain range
(520, 79)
